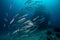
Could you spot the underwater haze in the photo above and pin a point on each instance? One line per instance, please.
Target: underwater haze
(29, 19)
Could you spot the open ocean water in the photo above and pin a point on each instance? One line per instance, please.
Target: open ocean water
(29, 19)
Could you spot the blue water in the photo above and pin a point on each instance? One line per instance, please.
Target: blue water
(9, 8)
